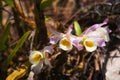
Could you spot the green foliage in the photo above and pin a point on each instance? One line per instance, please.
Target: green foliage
(4, 37)
(45, 3)
(19, 45)
(9, 2)
(77, 28)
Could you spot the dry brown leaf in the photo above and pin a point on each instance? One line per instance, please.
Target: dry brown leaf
(19, 73)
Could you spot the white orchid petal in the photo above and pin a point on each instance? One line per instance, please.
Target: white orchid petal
(104, 34)
(31, 75)
(94, 27)
(99, 33)
(36, 68)
(107, 38)
(47, 62)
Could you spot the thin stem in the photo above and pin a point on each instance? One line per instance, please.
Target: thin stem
(32, 39)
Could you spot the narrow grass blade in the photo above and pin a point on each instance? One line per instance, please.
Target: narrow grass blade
(4, 37)
(19, 45)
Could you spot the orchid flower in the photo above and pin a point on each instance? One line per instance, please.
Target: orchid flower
(90, 45)
(38, 58)
(66, 41)
(95, 36)
(65, 44)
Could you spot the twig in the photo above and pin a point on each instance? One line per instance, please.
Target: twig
(97, 68)
(32, 39)
(71, 18)
(80, 10)
(87, 62)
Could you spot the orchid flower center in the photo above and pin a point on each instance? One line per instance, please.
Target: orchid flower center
(66, 42)
(89, 43)
(84, 38)
(37, 57)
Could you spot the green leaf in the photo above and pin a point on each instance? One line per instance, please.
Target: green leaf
(9, 2)
(18, 45)
(45, 3)
(4, 37)
(77, 28)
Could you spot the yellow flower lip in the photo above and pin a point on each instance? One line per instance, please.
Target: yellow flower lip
(35, 57)
(89, 43)
(65, 44)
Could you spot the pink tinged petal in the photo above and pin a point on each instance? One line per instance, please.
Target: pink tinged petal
(49, 49)
(108, 30)
(54, 31)
(95, 26)
(101, 43)
(54, 39)
(31, 76)
(72, 38)
(106, 20)
(77, 44)
(58, 34)
(70, 29)
(90, 29)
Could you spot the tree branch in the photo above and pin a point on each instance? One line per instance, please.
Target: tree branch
(41, 32)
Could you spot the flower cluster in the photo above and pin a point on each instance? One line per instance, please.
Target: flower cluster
(40, 58)
(95, 36)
